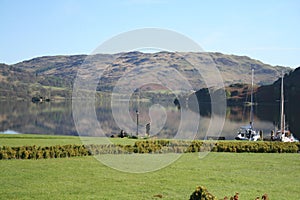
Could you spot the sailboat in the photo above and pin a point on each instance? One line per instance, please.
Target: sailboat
(247, 132)
(283, 134)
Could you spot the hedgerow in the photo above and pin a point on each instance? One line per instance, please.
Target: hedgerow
(37, 152)
(177, 146)
(146, 146)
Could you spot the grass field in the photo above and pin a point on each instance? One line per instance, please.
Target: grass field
(86, 178)
(49, 140)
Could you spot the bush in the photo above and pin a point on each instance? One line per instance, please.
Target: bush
(201, 193)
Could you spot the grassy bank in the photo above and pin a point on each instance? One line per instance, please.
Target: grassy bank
(51, 140)
(86, 178)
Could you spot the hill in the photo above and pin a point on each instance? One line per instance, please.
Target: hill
(54, 75)
(271, 93)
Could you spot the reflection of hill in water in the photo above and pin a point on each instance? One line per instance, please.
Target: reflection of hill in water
(43, 118)
(266, 117)
(158, 109)
(272, 113)
(269, 113)
(56, 118)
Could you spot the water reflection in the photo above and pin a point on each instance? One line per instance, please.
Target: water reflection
(56, 118)
(41, 118)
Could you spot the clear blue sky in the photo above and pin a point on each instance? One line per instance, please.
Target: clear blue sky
(267, 30)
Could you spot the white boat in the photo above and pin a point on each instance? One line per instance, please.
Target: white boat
(248, 132)
(283, 134)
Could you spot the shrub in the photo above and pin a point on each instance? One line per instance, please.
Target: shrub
(3, 155)
(201, 193)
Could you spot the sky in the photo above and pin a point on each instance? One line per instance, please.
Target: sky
(265, 30)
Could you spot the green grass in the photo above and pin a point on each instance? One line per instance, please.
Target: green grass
(86, 178)
(51, 140)
(251, 175)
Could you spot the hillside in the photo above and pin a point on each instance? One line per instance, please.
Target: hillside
(239, 93)
(54, 75)
(15, 81)
(271, 93)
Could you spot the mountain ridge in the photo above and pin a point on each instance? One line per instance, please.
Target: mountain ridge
(55, 75)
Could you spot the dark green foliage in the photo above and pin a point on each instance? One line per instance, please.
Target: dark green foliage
(201, 193)
(146, 146)
(34, 152)
(176, 146)
(257, 147)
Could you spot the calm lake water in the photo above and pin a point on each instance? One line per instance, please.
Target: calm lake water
(56, 118)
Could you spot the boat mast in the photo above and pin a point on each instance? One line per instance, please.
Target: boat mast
(282, 106)
(251, 108)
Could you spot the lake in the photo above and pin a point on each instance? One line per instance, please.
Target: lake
(56, 118)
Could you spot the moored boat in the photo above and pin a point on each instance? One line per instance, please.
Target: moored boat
(283, 134)
(248, 132)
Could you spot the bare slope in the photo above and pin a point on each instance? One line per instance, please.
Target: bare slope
(57, 73)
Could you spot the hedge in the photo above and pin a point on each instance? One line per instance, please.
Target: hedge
(146, 146)
(175, 146)
(37, 152)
